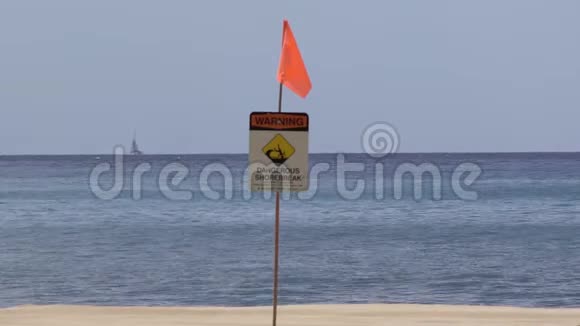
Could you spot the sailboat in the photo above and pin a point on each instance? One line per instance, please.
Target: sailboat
(134, 148)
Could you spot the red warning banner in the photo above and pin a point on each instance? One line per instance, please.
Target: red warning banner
(279, 121)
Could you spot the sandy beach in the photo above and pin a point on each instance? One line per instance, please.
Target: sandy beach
(320, 315)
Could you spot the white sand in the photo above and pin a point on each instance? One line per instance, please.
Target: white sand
(322, 315)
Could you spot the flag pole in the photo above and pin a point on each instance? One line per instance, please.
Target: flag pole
(280, 99)
(277, 236)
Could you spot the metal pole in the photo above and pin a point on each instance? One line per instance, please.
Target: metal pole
(276, 258)
(277, 237)
(280, 99)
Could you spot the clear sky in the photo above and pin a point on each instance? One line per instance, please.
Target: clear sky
(495, 75)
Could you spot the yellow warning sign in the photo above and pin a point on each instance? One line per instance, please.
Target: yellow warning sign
(278, 149)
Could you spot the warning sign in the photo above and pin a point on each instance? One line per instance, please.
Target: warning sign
(278, 151)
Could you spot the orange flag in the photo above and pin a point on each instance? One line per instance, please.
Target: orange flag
(292, 71)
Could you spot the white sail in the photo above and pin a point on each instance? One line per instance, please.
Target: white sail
(134, 148)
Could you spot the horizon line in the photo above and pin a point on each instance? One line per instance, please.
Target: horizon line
(317, 153)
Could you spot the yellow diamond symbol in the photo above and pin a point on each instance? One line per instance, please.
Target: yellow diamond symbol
(278, 149)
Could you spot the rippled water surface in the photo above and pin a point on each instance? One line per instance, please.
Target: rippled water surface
(517, 244)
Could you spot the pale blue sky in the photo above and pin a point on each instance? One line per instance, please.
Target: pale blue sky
(494, 75)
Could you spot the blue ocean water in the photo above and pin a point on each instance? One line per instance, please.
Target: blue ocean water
(517, 244)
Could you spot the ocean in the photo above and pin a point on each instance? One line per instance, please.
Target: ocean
(507, 235)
